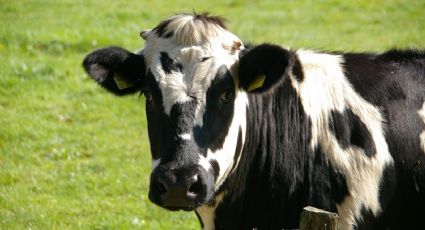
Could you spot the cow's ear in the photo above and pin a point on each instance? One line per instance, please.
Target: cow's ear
(116, 69)
(263, 66)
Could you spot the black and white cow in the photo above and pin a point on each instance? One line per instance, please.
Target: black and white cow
(247, 137)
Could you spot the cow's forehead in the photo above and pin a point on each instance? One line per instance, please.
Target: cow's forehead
(191, 30)
(184, 54)
(191, 39)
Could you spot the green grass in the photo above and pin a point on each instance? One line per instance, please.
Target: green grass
(74, 157)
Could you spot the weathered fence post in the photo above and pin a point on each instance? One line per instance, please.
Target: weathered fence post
(317, 219)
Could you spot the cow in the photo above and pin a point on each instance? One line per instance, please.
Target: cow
(248, 135)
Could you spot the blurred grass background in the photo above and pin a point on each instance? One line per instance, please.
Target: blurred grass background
(74, 157)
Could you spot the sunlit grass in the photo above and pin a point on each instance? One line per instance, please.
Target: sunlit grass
(72, 156)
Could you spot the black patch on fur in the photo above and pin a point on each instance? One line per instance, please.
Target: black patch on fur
(169, 34)
(404, 127)
(297, 70)
(340, 126)
(218, 115)
(323, 177)
(162, 27)
(395, 92)
(216, 169)
(390, 208)
(205, 58)
(206, 18)
(392, 76)
(155, 116)
(364, 73)
(168, 64)
(182, 116)
(106, 63)
(397, 55)
(338, 185)
(350, 130)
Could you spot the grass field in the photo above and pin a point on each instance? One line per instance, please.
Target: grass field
(73, 156)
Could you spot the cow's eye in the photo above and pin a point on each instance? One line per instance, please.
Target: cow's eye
(226, 96)
(148, 96)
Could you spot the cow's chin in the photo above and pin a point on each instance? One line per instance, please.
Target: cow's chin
(181, 205)
(209, 202)
(171, 208)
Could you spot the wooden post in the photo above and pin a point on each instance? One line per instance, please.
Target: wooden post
(317, 219)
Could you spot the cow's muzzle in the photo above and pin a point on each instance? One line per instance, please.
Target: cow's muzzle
(183, 188)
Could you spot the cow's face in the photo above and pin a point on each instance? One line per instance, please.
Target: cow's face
(195, 101)
(191, 99)
(195, 112)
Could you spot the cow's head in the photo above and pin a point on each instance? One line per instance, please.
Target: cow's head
(195, 102)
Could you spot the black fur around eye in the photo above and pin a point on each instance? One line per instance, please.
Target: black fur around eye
(226, 96)
(149, 97)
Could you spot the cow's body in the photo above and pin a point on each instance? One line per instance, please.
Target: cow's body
(341, 132)
(293, 159)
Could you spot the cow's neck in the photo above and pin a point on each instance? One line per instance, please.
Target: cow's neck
(275, 150)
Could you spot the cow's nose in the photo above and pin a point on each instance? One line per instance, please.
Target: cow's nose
(185, 188)
(178, 189)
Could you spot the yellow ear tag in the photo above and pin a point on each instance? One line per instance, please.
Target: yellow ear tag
(121, 82)
(257, 83)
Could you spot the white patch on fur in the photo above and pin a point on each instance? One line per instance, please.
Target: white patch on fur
(155, 163)
(207, 213)
(325, 88)
(225, 155)
(204, 163)
(185, 136)
(422, 135)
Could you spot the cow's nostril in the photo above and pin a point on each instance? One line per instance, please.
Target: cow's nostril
(196, 187)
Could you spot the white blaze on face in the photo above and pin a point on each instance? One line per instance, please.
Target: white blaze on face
(185, 136)
(422, 136)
